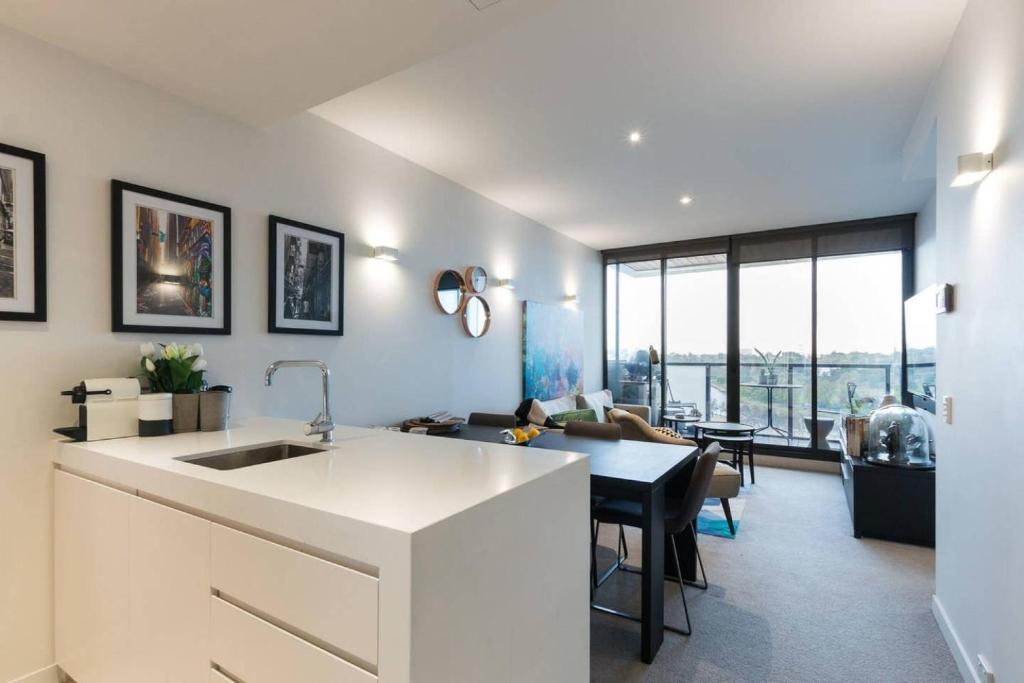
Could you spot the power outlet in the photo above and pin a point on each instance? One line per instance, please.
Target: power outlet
(987, 675)
(947, 409)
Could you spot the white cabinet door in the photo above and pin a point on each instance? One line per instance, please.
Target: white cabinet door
(169, 594)
(91, 523)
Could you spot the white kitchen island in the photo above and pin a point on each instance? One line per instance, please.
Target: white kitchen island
(389, 557)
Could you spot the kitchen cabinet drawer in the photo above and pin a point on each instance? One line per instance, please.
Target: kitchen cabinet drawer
(256, 651)
(329, 602)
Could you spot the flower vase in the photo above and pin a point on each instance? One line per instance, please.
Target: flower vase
(185, 412)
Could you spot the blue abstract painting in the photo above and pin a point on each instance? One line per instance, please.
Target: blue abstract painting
(552, 351)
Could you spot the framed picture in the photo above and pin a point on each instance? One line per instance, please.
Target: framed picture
(307, 278)
(171, 259)
(22, 234)
(552, 351)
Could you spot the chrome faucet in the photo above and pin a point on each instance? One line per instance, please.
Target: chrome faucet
(323, 423)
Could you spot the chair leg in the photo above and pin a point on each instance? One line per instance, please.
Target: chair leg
(598, 581)
(728, 515)
(682, 592)
(700, 561)
(750, 455)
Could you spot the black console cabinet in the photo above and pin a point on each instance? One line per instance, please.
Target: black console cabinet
(889, 502)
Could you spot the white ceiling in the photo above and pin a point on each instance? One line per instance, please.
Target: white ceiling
(260, 60)
(769, 113)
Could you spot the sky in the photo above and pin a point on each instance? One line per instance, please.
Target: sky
(859, 307)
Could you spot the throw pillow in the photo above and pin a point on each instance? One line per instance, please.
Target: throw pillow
(669, 432)
(587, 415)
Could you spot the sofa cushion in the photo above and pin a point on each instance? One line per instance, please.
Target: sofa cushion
(725, 483)
(598, 401)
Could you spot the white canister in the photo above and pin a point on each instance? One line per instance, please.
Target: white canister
(155, 414)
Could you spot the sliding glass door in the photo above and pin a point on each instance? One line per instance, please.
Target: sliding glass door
(860, 325)
(775, 350)
(788, 331)
(684, 379)
(696, 315)
(633, 315)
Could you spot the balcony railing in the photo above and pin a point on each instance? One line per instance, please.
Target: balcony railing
(713, 388)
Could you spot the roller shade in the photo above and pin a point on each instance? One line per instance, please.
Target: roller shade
(667, 250)
(831, 239)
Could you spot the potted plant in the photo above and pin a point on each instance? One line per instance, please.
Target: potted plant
(768, 375)
(177, 370)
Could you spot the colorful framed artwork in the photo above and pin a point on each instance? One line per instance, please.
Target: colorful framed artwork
(22, 234)
(307, 278)
(171, 259)
(552, 351)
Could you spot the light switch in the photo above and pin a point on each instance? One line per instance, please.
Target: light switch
(947, 409)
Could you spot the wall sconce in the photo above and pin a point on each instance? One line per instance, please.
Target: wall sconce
(385, 253)
(507, 283)
(970, 168)
(571, 299)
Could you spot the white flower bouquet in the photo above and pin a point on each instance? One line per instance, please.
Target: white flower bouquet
(173, 368)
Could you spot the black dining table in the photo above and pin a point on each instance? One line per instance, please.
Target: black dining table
(631, 470)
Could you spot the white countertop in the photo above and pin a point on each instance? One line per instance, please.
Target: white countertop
(401, 482)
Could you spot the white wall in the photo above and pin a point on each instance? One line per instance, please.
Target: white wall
(924, 246)
(979, 248)
(925, 275)
(399, 356)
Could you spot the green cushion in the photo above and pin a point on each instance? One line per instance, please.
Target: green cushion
(585, 415)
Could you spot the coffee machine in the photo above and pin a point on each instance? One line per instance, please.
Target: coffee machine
(107, 409)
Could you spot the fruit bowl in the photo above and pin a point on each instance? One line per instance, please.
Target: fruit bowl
(520, 436)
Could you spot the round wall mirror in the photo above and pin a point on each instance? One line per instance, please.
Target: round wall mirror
(449, 290)
(476, 278)
(476, 316)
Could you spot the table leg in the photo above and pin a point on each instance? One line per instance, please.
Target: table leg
(652, 581)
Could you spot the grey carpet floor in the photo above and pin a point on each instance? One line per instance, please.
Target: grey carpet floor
(793, 598)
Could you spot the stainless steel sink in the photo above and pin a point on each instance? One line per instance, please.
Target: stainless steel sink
(247, 457)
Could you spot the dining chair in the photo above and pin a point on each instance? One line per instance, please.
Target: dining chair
(594, 430)
(610, 432)
(680, 517)
(492, 420)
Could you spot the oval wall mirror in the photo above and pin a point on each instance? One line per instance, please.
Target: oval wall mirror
(476, 316)
(449, 291)
(476, 278)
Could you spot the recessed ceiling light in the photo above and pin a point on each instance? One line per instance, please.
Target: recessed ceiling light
(686, 199)
(636, 137)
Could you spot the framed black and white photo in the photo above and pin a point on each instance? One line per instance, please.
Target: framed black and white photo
(307, 274)
(171, 259)
(22, 234)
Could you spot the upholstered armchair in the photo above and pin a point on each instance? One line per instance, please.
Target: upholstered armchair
(636, 427)
(641, 411)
